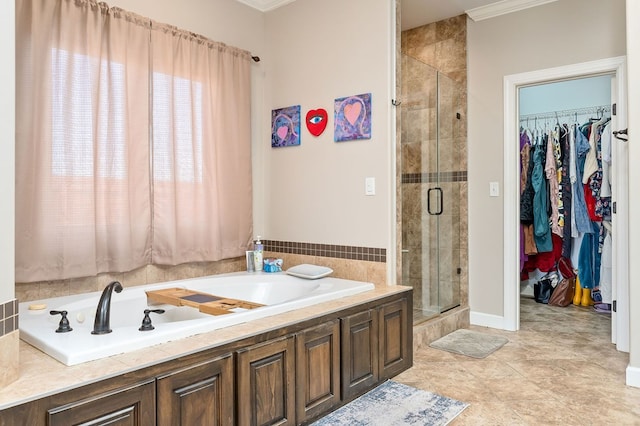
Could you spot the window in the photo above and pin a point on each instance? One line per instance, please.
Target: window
(182, 124)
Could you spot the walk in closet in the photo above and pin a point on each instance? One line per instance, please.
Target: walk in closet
(566, 173)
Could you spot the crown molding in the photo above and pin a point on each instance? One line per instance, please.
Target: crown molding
(265, 5)
(502, 8)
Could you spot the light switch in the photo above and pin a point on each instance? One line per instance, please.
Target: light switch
(494, 189)
(370, 186)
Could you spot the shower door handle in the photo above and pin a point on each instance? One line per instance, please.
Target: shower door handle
(440, 196)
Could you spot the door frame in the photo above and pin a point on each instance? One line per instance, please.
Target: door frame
(511, 84)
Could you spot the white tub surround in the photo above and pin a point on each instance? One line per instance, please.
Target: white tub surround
(278, 293)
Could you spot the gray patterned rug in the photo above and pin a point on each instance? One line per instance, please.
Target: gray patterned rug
(469, 343)
(395, 404)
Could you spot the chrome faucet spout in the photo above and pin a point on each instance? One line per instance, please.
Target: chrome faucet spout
(103, 312)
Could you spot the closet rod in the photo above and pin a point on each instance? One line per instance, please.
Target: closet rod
(602, 109)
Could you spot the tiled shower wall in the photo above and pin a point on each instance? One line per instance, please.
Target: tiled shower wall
(442, 46)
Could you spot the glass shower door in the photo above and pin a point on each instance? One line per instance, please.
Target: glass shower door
(430, 191)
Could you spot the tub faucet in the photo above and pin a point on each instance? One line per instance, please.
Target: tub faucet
(103, 312)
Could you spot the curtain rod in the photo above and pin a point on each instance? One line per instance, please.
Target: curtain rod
(568, 112)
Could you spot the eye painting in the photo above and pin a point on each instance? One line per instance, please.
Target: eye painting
(316, 121)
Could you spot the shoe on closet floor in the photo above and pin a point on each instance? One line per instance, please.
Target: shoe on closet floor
(578, 294)
(586, 297)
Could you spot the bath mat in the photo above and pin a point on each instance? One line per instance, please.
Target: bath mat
(469, 343)
(395, 404)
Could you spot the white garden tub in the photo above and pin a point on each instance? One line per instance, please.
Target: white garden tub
(277, 291)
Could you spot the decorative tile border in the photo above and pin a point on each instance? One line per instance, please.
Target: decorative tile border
(8, 317)
(370, 254)
(460, 176)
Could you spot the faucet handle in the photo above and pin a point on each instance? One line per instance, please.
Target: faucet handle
(146, 321)
(63, 326)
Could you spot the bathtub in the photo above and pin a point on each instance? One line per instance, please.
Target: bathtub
(278, 292)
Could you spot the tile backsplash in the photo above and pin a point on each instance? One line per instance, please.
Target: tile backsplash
(349, 262)
(8, 317)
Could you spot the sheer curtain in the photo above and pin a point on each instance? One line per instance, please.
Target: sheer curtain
(201, 148)
(95, 191)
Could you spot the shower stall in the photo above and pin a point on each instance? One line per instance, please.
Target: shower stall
(431, 187)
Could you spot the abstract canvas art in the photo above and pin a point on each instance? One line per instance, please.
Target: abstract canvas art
(316, 121)
(352, 118)
(285, 126)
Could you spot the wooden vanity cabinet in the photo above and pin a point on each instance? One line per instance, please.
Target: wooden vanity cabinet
(377, 344)
(395, 338)
(359, 353)
(132, 406)
(317, 370)
(289, 375)
(265, 374)
(202, 394)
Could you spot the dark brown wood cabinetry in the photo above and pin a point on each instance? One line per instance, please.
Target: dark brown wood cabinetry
(377, 344)
(317, 370)
(265, 383)
(202, 394)
(283, 376)
(131, 406)
(395, 338)
(359, 353)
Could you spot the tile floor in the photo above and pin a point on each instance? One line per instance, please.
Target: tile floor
(558, 369)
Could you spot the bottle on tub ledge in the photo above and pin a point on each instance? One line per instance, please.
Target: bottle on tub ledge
(257, 254)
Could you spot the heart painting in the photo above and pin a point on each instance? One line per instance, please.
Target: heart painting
(352, 118)
(285, 126)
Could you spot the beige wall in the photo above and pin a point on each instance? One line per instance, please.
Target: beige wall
(559, 33)
(319, 51)
(7, 148)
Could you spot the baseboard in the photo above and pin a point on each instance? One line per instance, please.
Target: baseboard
(633, 376)
(487, 320)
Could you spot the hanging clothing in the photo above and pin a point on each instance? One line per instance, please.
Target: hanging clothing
(605, 147)
(590, 258)
(526, 198)
(542, 231)
(551, 173)
(591, 159)
(565, 190)
(583, 222)
(525, 149)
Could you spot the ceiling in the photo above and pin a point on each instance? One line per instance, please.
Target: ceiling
(421, 12)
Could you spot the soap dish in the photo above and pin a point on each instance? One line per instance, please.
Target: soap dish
(308, 271)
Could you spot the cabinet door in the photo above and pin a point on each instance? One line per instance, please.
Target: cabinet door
(129, 406)
(317, 370)
(265, 383)
(359, 353)
(396, 339)
(198, 395)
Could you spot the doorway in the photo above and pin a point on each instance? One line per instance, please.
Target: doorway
(512, 84)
